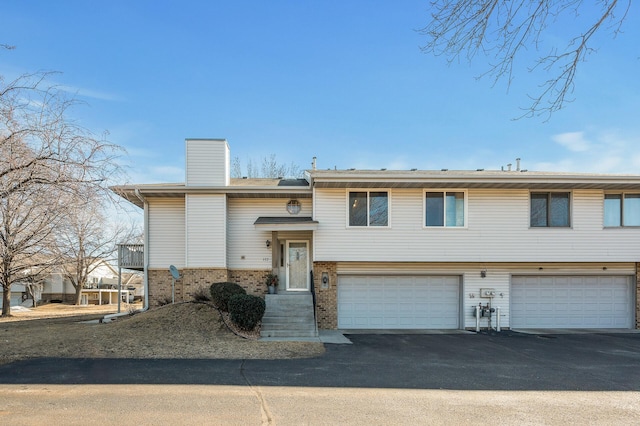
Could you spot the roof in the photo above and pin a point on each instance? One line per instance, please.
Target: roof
(288, 223)
(238, 188)
(470, 179)
(302, 188)
(267, 182)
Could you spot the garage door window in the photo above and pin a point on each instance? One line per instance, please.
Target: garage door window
(368, 208)
(550, 209)
(621, 210)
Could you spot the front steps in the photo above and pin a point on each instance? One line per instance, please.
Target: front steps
(288, 315)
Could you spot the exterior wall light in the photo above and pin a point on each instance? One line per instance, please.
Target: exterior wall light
(268, 243)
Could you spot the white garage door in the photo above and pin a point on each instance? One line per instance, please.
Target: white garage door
(398, 302)
(571, 302)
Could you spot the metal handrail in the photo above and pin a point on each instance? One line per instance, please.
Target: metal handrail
(313, 296)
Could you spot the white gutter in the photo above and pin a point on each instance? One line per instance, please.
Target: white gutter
(146, 249)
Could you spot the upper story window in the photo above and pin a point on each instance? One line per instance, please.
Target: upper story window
(445, 208)
(622, 210)
(369, 208)
(550, 209)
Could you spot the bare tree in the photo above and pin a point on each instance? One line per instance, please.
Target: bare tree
(269, 168)
(503, 29)
(251, 171)
(46, 162)
(86, 238)
(236, 168)
(29, 218)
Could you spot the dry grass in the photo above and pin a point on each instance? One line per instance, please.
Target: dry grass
(185, 330)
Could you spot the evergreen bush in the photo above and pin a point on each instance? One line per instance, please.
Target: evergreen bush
(246, 310)
(222, 292)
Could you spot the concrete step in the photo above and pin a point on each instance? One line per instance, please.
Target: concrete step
(288, 315)
(290, 308)
(283, 325)
(281, 321)
(307, 313)
(293, 317)
(288, 333)
(277, 300)
(284, 330)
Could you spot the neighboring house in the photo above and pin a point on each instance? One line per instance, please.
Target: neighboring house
(101, 287)
(403, 249)
(59, 288)
(18, 291)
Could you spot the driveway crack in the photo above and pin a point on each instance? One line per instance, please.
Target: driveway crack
(265, 412)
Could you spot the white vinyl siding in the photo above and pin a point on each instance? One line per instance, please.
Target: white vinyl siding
(166, 232)
(571, 302)
(398, 302)
(497, 230)
(246, 245)
(207, 163)
(55, 283)
(206, 231)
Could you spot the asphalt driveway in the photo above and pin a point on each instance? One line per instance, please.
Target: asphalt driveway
(505, 361)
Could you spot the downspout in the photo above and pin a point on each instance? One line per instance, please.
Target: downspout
(145, 277)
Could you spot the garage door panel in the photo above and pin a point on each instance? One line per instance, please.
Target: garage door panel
(571, 302)
(399, 302)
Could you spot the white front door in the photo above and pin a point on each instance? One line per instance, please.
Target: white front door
(297, 265)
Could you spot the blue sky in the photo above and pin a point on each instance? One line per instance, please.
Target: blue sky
(344, 81)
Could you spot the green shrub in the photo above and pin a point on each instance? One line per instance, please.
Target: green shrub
(246, 310)
(222, 292)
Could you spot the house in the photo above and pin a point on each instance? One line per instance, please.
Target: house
(18, 291)
(403, 249)
(101, 287)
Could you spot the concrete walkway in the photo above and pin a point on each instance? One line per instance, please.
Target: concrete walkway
(334, 337)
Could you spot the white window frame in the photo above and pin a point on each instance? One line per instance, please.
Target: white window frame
(622, 195)
(368, 191)
(444, 191)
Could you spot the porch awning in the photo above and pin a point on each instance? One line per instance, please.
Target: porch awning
(286, 223)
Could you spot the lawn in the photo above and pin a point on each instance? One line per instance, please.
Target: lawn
(184, 330)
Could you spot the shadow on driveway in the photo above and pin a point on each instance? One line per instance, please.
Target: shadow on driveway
(505, 361)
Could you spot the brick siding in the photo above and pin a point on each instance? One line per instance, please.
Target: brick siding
(66, 298)
(326, 298)
(252, 281)
(194, 279)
